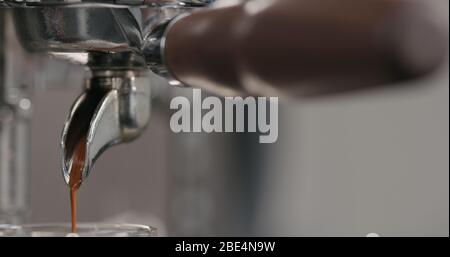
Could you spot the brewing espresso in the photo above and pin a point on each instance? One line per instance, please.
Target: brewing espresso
(78, 159)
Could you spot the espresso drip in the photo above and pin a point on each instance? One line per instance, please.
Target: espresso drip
(78, 159)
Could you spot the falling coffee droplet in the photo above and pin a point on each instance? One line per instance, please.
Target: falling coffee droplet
(76, 172)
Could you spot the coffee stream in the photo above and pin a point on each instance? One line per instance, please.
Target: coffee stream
(76, 171)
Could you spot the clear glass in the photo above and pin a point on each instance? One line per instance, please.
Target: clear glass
(83, 230)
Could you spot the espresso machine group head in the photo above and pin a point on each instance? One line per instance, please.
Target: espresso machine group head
(107, 38)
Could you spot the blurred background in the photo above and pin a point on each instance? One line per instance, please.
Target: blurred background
(349, 165)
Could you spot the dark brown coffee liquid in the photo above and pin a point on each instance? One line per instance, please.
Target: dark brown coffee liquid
(78, 159)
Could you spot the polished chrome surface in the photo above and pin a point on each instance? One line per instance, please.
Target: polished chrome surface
(114, 108)
(77, 29)
(153, 50)
(110, 3)
(80, 29)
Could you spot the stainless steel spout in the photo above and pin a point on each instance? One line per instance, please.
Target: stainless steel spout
(114, 108)
(108, 39)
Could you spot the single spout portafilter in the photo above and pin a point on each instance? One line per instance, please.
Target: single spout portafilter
(115, 104)
(114, 108)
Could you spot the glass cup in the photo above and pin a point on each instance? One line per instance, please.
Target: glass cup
(83, 230)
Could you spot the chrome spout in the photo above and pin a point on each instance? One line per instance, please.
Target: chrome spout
(108, 39)
(114, 108)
